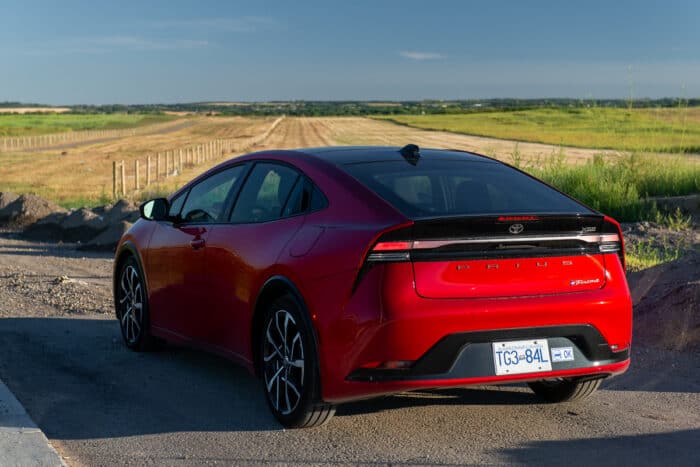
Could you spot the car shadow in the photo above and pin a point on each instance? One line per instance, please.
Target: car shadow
(645, 449)
(477, 396)
(78, 381)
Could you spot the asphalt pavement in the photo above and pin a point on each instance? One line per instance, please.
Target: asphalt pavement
(101, 404)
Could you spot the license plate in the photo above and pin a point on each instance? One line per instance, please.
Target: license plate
(516, 357)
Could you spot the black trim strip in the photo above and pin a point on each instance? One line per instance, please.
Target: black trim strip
(442, 361)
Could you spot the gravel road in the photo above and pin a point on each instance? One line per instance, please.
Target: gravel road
(100, 404)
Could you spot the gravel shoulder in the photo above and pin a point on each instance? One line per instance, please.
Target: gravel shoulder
(45, 279)
(100, 404)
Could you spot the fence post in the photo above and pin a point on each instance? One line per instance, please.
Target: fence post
(136, 175)
(123, 179)
(148, 170)
(158, 166)
(180, 164)
(114, 179)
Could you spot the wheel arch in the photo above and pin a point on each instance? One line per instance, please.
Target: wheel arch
(275, 287)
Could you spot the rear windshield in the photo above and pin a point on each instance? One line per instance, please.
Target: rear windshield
(453, 188)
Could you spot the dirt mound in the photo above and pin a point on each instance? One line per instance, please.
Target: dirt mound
(120, 211)
(108, 239)
(41, 220)
(26, 210)
(7, 198)
(667, 304)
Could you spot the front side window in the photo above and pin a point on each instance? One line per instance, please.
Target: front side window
(176, 205)
(207, 199)
(265, 193)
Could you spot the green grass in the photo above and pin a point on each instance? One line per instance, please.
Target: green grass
(649, 130)
(39, 124)
(619, 186)
(645, 254)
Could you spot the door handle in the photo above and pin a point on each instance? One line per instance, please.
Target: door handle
(197, 243)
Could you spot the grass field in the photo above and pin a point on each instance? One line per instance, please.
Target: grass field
(81, 175)
(674, 130)
(615, 184)
(39, 124)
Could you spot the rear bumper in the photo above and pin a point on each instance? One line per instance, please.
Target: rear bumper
(365, 389)
(448, 342)
(469, 355)
(465, 359)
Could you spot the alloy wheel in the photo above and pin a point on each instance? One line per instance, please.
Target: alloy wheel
(283, 362)
(131, 302)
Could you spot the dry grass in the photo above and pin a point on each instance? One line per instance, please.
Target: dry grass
(84, 174)
(33, 110)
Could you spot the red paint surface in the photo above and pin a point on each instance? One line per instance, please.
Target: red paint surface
(204, 293)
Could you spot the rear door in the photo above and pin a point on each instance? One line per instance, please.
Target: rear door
(266, 215)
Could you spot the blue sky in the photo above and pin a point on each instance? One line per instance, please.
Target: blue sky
(96, 52)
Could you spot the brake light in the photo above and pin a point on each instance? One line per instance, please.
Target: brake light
(392, 246)
(518, 218)
(616, 244)
(390, 252)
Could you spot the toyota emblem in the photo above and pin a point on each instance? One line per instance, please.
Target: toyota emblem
(516, 228)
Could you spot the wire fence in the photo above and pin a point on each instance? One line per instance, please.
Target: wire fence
(24, 143)
(138, 175)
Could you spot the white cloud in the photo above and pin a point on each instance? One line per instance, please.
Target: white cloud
(413, 55)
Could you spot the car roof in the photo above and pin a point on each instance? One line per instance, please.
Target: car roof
(343, 155)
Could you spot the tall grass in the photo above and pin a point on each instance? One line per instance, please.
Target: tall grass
(619, 186)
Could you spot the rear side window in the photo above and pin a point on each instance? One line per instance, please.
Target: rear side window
(305, 197)
(265, 193)
(453, 188)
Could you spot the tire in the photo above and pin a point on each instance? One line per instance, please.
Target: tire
(131, 304)
(565, 390)
(288, 365)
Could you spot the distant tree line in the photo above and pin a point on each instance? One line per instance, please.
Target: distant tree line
(360, 108)
(7, 104)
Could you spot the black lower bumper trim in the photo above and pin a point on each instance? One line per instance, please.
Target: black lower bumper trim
(470, 354)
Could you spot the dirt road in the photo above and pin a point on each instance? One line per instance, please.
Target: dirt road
(299, 132)
(101, 404)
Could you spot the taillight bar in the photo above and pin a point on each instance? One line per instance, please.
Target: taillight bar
(392, 246)
(397, 251)
(430, 244)
(619, 243)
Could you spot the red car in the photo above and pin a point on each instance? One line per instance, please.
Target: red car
(337, 274)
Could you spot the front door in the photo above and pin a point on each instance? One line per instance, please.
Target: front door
(179, 285)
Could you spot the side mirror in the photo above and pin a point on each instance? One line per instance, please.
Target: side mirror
(155, 209)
